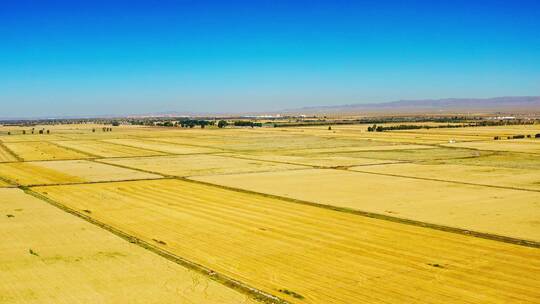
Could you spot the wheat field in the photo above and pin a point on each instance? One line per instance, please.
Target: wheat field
(269, 215)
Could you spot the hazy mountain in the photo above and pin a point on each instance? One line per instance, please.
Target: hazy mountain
(452, 105)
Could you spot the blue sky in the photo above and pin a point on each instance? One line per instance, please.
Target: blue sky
(123, 57)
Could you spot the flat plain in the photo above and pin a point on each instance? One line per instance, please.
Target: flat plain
(319, 255)
(50, 256)
(301, 214)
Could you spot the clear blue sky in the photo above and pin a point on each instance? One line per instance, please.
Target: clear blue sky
(122, 57)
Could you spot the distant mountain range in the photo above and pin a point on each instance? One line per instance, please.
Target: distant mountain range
(510, 104)
(507, 105)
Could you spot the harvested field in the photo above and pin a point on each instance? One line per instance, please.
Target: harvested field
(161, 147)
(5, 155)
(413, 155)
(67, 171)
(192, 165)
(499, 160)
(275, 142)
(498, 211)
(309, 254)
(517, 145)
(30, 151)
(318, 160)
(105, 149)
(494, 176)
(383, 222)
(30, 138)
(50, 256)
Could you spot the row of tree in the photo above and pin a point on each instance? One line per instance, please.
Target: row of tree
(42, 131)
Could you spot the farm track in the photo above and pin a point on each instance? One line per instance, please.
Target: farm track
(256, 294)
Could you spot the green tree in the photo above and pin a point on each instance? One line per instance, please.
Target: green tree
(222, 124)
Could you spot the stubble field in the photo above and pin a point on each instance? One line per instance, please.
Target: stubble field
(274, 215)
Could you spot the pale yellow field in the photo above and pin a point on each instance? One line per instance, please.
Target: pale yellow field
(511, 145)
(67, 171)
(499, 159)
(273, 141)
(105, 149)
(313, 159)
(492, 210)
(484, 175)
(50, 256)
(162, 147)
(490, 131)
(193, 165)
(29, 151)
(415, 155)
(319, 255)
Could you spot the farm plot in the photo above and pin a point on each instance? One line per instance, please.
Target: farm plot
(505, 212)
(67, 171)
(494, 176)
(4, 184)
(30, 137)
(5, 156)
(413, 138)
(417, 155)
(531, 146)
(275, 142)
(50, 256)
(488, 132)
(192, 165)
(162, 146)
(500, 160)
(105, 149)
(308, 254)
(43, 150)
(312, 159)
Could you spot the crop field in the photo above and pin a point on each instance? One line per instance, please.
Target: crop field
(49, 256)
(312, 159)
(494, 176)
(492, 210)
(67, 171)
(161, 147)
(105, 149)
(192, 165)
(512, 146)
(5, 155)
(29, 151)
(277, 245)
(280, 215)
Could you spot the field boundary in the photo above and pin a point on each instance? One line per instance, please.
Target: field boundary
(255, 293)
(462, 231)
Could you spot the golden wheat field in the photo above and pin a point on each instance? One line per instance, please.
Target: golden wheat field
(50, 256)
(269, 215)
